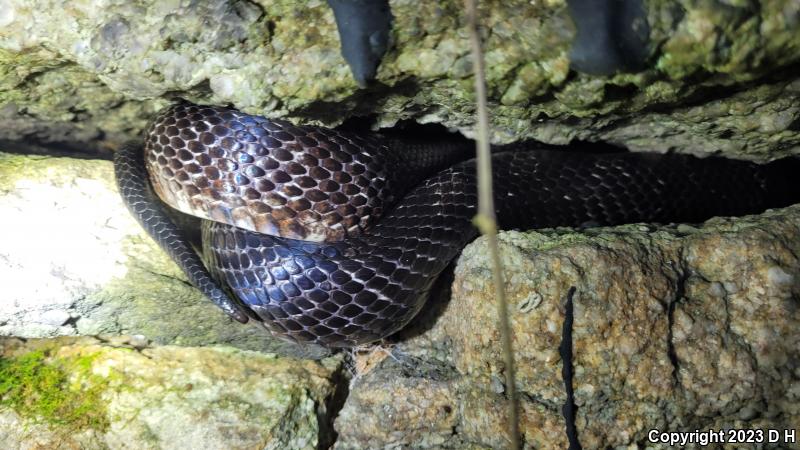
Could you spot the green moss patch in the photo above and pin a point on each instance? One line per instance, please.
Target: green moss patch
(57, 391)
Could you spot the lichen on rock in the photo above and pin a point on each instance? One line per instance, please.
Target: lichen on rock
(96, 72)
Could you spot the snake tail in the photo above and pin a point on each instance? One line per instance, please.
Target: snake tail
(134, 187)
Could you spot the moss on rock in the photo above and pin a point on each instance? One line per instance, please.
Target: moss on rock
(94, 394)
(57, 391)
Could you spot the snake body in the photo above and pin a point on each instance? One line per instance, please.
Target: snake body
(337, 238)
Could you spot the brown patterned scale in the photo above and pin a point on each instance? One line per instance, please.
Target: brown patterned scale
(269, 176)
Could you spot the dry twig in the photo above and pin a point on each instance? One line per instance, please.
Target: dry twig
(486, 220)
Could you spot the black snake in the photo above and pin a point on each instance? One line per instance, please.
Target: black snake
(335, 238)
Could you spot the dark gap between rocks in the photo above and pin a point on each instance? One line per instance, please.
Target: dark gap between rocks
(333, 405)
(565, 350)
(57, 149)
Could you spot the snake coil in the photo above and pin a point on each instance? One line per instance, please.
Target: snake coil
(337, 238)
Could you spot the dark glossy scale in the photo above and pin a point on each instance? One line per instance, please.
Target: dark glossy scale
(370, 286)
(372, 282)
(355, 291)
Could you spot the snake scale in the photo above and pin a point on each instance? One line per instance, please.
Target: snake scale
(336, 238)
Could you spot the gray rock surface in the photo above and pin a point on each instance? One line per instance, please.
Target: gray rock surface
(720, 76)
(74, 262)
(675, 329)
(85, 393)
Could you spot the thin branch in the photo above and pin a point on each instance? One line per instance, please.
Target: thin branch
(487, 222)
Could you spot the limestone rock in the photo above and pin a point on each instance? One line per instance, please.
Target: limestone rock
(74, 262)
(97, 71)
(85, 393)
(387, 408)
(675, 329)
